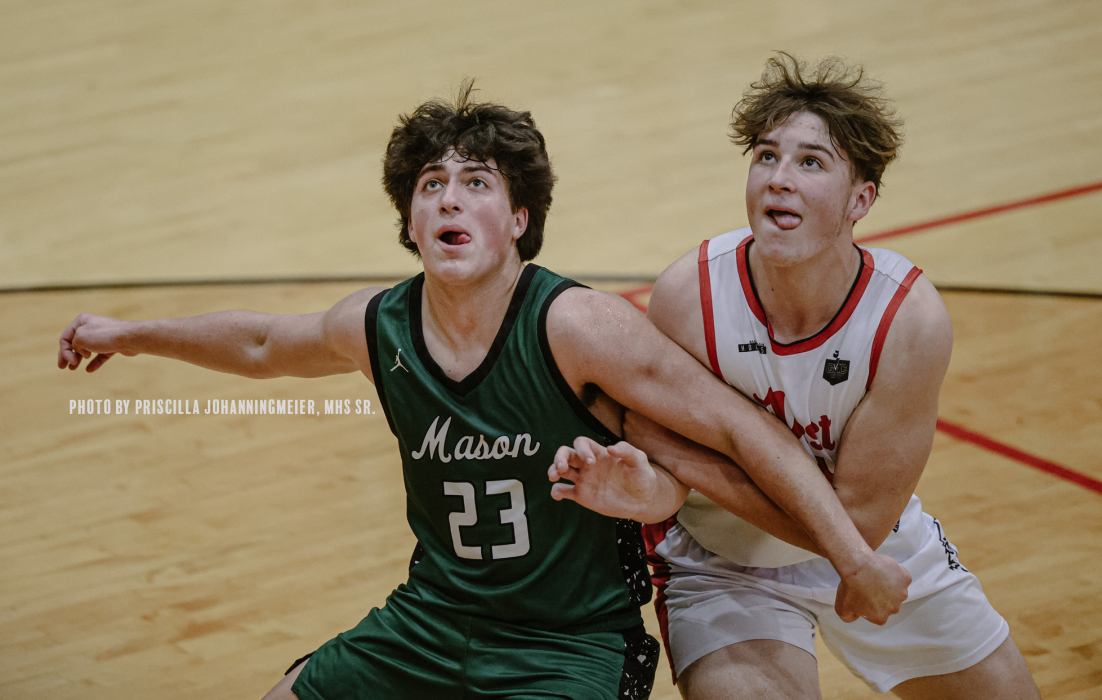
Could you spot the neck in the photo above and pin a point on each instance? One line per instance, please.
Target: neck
(800, 300)
(461, 319)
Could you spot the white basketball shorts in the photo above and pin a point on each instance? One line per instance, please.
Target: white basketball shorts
(710, 603)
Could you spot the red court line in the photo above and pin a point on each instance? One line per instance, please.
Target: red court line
(962, 433)
(956, 218)
(633, 295)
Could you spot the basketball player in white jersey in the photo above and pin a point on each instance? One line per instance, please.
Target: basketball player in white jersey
(848, 347)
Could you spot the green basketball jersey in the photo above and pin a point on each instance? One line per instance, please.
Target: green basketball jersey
(475, 453)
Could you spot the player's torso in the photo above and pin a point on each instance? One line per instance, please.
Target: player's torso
(475, 455)
(813, 385)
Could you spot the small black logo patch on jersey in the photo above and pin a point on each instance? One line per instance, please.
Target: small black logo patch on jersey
(836, 371)
(752, 346)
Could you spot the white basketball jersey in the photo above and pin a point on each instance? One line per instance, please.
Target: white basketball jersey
(813, 385)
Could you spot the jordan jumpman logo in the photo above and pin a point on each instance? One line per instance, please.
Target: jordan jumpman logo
(398, 361)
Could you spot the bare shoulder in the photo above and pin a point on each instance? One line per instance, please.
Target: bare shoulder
(343, 327)
(587, 317)
(599, 338)
(357, 301)
(675, 305)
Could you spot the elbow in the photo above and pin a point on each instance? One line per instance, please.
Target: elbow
(874, 530)
(874, 537)
(254, 364)
(875, 518)
(257, 361)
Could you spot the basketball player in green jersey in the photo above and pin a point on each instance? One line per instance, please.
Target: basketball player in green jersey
(484, 367)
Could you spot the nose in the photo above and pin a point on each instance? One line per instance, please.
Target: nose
(780, 177)
(450, 200)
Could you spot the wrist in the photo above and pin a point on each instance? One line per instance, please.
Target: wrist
(131, 337)
(852, 560)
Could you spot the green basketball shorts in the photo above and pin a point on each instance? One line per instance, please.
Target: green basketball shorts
(409, 650)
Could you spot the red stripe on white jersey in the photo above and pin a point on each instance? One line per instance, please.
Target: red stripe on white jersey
(886, 322)
(743, 261)
(706, 308)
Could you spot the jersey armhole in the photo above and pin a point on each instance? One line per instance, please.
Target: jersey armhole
(371, 330)
(886, 322)
(591, 421)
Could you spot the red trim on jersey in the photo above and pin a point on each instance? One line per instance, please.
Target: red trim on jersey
(743, 260)
(868, 266)
(653, 535)
(706, 307)
(886, 322)
(840, 318)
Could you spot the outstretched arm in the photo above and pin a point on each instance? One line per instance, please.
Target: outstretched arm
(600, 339)
(247, 343)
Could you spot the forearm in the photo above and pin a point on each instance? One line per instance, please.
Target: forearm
(715, 476)
(226, 341)
(780, 467)
(726, 485)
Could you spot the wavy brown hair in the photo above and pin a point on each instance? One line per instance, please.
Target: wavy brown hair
(862, 124)
(475, 131)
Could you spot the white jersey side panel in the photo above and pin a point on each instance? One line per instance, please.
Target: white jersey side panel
(813, 385)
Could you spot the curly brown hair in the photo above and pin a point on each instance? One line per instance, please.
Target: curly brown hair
(479, 132)
(862, 125)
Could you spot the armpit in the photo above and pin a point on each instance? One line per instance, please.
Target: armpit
(601, 405)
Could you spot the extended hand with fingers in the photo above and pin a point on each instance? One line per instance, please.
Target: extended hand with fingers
(617, 481)
(91, 335)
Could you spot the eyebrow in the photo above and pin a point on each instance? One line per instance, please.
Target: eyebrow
(807, 146)
(439, 167)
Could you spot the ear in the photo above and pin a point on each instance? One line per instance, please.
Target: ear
(412, 235)
(860, 201)
(520, 222)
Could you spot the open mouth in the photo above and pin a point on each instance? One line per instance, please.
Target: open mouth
(783, 218)
(455, 237)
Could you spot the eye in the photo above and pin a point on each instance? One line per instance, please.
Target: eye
(767, 157)
(477, 182)
(433, 184)
(811, 162)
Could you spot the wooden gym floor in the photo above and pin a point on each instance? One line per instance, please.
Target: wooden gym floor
(173, 556)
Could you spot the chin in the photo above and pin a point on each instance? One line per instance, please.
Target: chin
(458, 270)
(782, 248)
(440, 264)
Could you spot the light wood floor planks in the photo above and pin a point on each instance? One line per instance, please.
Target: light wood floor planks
(173, 556)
